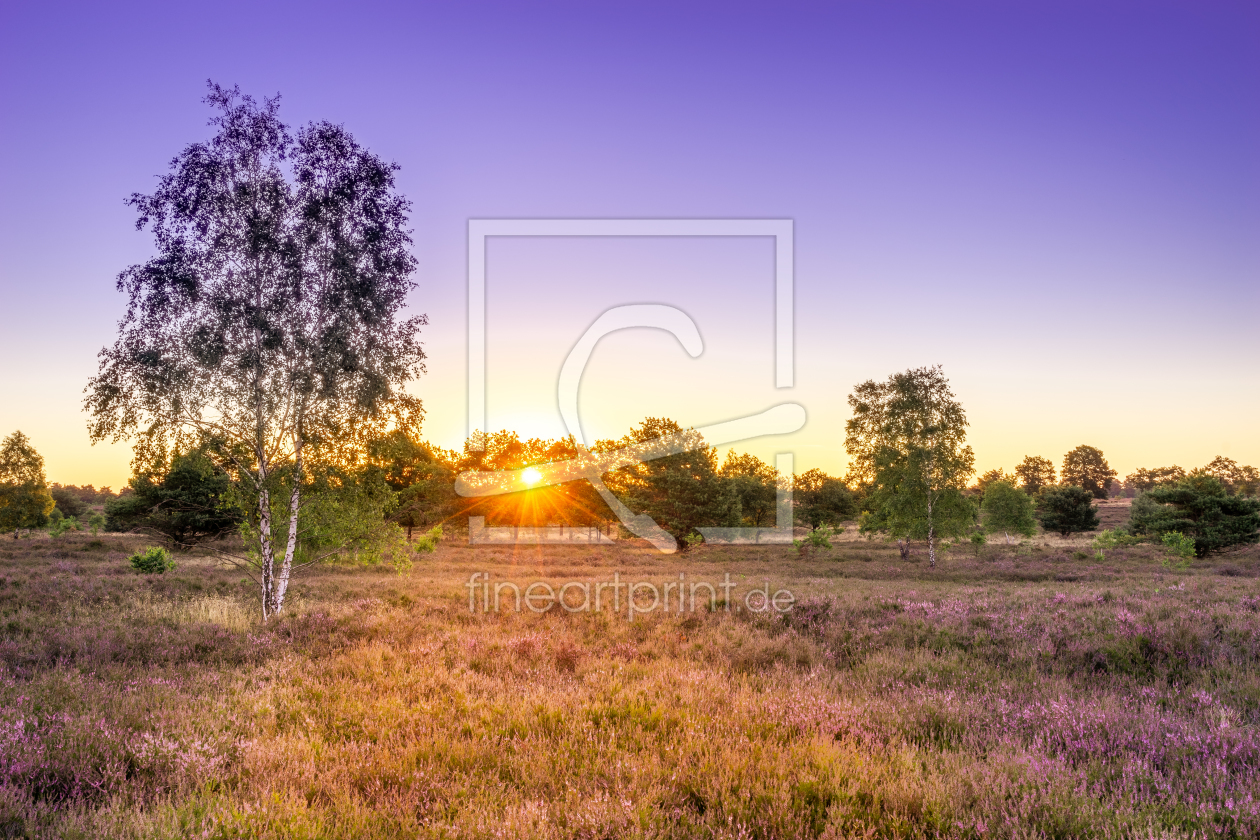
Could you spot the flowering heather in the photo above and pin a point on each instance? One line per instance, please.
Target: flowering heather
(1033, 692)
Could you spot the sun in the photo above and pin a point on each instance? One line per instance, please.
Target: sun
(531, 476)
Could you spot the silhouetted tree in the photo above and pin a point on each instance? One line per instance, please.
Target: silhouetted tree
(680, 492)
(68, 500)
(1143, 479)
(1243, 480)
(1035, 472)
(1086, 467)
(821, 499)
(755, 484)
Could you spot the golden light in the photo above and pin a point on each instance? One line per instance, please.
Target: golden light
(531, 476)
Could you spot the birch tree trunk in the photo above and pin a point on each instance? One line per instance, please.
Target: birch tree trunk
(290, 548)
(931, 535)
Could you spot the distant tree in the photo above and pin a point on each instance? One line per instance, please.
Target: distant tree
(822, 500)
(24, 498)
(270, 319)
(1086, 467)
(1199, 507)
(755, 484)
(1243, 480)
(680, 492)
(1066, 510)
(1008, 510)
(1034, 473)
(422, 476)
(906, 438)
(186, 500)
(572, 503)
(69, 500)
(1143, 479)
(997, 474)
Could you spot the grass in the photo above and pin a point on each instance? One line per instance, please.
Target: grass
(1029, 691)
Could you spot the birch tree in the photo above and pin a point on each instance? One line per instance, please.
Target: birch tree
(906, 439)
(24, 498)
(269, 324)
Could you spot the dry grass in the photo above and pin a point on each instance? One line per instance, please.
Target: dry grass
(1015, 693)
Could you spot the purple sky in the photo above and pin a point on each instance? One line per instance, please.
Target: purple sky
(1060, 202)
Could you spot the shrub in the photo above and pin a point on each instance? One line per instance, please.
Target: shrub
(978, 541)
(1199, 507)
(1181, 547)
(1113, 538)
(96, 522)
(428, 542)
(1067, 509)
(816, 538)
(154, 560)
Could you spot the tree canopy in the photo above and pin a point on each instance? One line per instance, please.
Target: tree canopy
(680, 492)
(24, 498)
(1143, 479)
(1035, 472)
(1008, 510)
(1086, 467)
(820, 499)
(755, 484)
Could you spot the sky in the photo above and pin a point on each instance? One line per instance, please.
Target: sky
(1059, 202)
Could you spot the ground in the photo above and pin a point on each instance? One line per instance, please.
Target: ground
(1031, 690)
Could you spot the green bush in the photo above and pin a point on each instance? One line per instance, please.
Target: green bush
(1066, 510)
(816, 538)
(428, 542)
(978, 541)
(1200, 508)
(154, 560)
(1111, 539)
(1182, 548)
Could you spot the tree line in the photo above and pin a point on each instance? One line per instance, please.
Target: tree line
(261, 368)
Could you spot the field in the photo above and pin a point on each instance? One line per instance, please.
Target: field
(1022, 691)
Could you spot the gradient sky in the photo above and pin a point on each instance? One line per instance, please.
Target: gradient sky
(1057, 201)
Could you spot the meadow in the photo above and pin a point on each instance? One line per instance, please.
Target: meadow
(1031, 690)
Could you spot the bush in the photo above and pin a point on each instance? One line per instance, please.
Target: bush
(428, 542)
(1181, 546)
(1067, 509)
(816, 538)
(1199, 508)
(154, 560)
(1113, 538)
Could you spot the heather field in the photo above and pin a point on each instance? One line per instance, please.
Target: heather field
(1021, 691)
